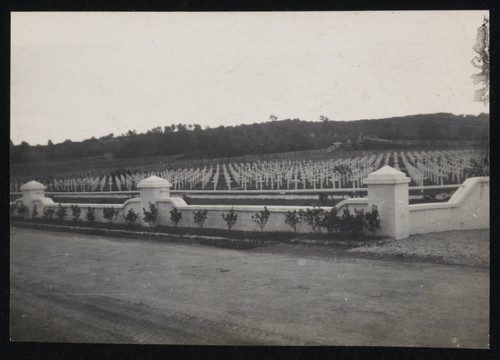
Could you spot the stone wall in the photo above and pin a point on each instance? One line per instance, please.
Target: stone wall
(468, 208)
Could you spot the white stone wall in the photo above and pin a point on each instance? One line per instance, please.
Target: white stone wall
(214, 219)
(468, 208)
(98, 210)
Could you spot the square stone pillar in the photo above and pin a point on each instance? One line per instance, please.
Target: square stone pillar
(151, 190)
(388, 190)
(32, 191)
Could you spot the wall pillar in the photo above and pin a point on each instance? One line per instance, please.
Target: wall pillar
(32, 191)
(151, 190)
(388, 190)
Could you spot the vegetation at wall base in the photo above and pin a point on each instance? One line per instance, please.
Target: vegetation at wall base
(76, 211)
(151, 215)
(34, 213)
(131, 217)
(90, 215)
(22, 209)
(61, 213)
(200, 217)
(175, 216)
(109, 214)
(261, 218)
(193, 232)
(230, 219)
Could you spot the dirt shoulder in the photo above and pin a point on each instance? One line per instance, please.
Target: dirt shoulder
(465, 247)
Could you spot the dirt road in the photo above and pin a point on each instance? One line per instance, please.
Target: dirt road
(83, 288)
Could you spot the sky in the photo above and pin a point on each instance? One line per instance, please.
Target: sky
(84, 74)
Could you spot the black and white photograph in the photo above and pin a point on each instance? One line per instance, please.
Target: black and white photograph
(282, 178)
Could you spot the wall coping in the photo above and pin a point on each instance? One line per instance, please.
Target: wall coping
(386, 175)
(82, 206)
(456, 199)
(355, 201)
(386, 181)
(33, 185)
(174, 200)
(129, 201)
(256, 208)
(154, 182)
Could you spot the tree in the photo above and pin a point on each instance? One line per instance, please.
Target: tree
(181, 127)
(482, 61)
(167, 130)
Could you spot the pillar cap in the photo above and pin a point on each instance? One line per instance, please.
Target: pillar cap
(33, 185)
(154, 182)
(386, 175)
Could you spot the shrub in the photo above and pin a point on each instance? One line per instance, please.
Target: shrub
(48, 213)
(346, 221)
(372, 220)
(90, 215)
(131, 217)
(151, 215)
(230, 219)
(200, 217)
(359, 223)
(261, 218)
(352, 224)
(22, 209)
(294, 219)
(315, 219)
(34, 213)
(175, 216)
(110, 214)
(331, 221)
(75, 212)
(61, 212)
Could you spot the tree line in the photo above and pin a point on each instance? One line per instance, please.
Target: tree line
(259, 138)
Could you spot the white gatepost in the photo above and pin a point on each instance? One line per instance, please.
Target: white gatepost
(388, 190)
(151, 190)
(32, 191)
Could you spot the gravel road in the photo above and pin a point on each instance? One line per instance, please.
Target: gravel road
(69, 287)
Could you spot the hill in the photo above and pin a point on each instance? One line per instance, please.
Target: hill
(279, 136)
